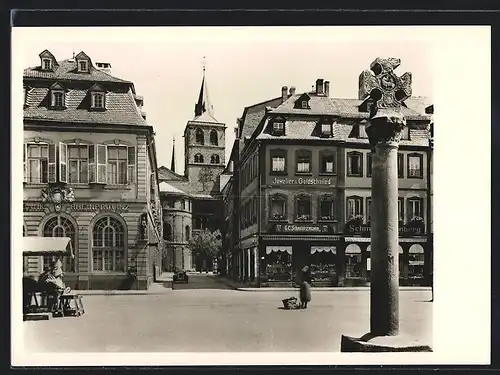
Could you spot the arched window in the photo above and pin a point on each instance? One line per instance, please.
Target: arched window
(59, 226)
(108, 245)
(213, 137)
(214, 159)
(167, 231)
(198, 158)
(200, 136)
(188, 233)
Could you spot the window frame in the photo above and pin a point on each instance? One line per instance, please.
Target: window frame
(53, 103)
(421, 162)
(79, 163)
(326, 134)
(303, 153)
(50, 165)
(401, 166)
(197, 134)
(297, 199)
(333, 208)
(324, 154)
(277, 197)
(212, 132)
(355, 198)
(198, 158)
(349, 164)
(80, 69)
(44, 60)
(214, 159)
(369, 164)
(278, 152)
(93, 96)
(411, 211)
(278, 127)
(102, 249)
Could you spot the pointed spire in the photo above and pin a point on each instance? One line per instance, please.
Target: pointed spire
(172, 165)
(204, 104)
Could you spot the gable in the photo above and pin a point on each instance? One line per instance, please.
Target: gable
(57, 86)
(46, 54)
(302, 102)
(82, 56)
(97, 87)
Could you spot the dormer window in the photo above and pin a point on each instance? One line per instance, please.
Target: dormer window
(97, 100)
(304, 104)
(326, 130)
(83, 66)
(278, 127)
(57, 96)
(97, 97)
(46, 64)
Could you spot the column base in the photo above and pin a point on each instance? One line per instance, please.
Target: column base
(371, 343)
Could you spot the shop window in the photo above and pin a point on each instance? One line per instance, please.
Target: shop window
(415, 206)
(200, 136)
(355, 164)
(323, 260)
(416, 261)
(303, 208)
(108, 245)
(167, 231)
(198, 158)
(213, 138)
(303, 161)
(353, 261)
(278, 161)
(78, 162)
(278, 207)
(401, 170)
(327, 162)
(278, 265)
(354, 207)
(415, 162)
(327, 208)
(59, 226)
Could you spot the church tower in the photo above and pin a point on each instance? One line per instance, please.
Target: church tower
(205, 146)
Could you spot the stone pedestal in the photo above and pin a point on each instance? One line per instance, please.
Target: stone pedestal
(369, 343)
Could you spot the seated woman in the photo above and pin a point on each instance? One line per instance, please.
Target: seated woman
(52, 284)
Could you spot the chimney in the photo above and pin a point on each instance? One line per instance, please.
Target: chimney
(292, 91)
(230, 167)
(319, 86)
(104, 66)
(284, 94)
(327, 89)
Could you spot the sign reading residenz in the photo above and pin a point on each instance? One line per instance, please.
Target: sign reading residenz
(303, 228)
(301, 181)
(81, 207)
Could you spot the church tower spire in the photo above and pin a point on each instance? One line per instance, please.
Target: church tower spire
(204, 104)
(172, 164)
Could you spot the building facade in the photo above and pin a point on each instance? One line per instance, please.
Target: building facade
(90, 174)
(304, 187)
(199, 187)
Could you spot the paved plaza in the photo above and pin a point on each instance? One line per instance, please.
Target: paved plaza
(206, 316)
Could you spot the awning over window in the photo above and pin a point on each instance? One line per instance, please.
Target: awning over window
(278, 249)
(353, 249)
(400, 249)
(416, 249)
(47, 245)
(319, 249)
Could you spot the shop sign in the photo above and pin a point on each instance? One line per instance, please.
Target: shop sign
(33, 207)
(93, 207)
(404, 230)
(303, 228)
(301, 181)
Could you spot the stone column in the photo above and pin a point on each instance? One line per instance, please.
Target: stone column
(256, 263)
(249, 265)
(384, 291)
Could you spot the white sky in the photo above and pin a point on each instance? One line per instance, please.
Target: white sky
(245, 66)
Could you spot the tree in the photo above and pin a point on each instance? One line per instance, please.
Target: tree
(206, 244)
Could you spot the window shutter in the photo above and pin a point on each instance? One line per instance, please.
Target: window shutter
(63, 156)
(92, 164)
(24, 162)
(131, 164)
(52, 163)
(102, 157)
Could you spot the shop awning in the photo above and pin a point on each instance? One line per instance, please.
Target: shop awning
(47, 245)
(353, 249)
(400, 249)
(319, 249)
(278, 249)
(416, 249)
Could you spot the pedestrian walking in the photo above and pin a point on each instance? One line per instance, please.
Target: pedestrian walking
(305, 288)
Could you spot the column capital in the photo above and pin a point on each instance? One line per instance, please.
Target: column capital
(385, 128)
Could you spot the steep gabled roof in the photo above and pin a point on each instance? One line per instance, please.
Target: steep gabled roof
(165, 174)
